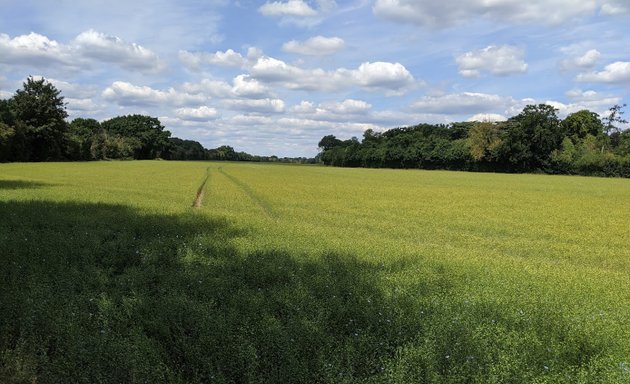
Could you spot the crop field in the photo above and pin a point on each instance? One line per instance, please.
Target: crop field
(112, 272)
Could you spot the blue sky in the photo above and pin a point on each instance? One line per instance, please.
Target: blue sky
(273, 77)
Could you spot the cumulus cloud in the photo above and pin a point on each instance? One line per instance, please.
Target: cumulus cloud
(33, 49)
(589, 99)
(72, 90)
(315, 46)
(348, 106)
(194, 60)
(208, 87)
(438, 14)
(245, 86)
(586, 60)
(390, 77)
(82, 105)
(111, 49)
(290, 8)
(203, 113)
(617, 72)
(88, 48)
(501, 60)
(256, 105)
(298, 12)
(487, 117)
(461, 103)
(126, 94)
(333, 110)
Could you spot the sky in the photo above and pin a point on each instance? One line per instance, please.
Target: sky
(274, 77)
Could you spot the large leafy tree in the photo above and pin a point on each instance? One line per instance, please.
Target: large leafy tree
(579, 124)
(148, 131)
(39, 106)
(484, 139)
(532, 136)
(80, 137)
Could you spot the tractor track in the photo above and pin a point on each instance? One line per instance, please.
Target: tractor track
(264, 205)
(200, 191)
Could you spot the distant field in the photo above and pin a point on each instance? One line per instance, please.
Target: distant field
(307, 274)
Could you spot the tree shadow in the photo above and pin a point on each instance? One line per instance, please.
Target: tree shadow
(106, 293)
(22, 184)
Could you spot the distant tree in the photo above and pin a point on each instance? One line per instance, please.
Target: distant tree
(532, 136)
(579, 124)
(79, 137)
(147, 131)
(105, 145)
(40, 107)
(224, 152)
(484, 139)
(329, 142)
(185, 150)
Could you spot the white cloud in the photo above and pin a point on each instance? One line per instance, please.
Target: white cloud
(439, 13)
(617, 72)
(256, 105)
(290, 8)
(591, 100)
(586, 60)
(498, 60)
(83, 105)
(333, 111)
(72, 90)
(126, 94)
(203, 113)
(88, 48)
(209, 88)
(33, 49)
(393, 78)
(462, 103)
(487, 117)
(315, 46)
(348, 106)
(272, 70)
(298, 12)
(194, 60)
(382, 75)
(245, 86)
(111, 49)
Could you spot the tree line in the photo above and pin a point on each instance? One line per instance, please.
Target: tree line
(535, 140)
(33, 127)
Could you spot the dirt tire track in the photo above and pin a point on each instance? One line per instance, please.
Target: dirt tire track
(260, 201)
(200, 191)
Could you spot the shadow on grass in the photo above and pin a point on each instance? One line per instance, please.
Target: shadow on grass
(96, 292)
(104, 293)
(22, 184)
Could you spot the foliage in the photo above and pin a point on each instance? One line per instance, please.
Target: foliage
(535, 140)
(147, 131)
(582, 123)
(484, 140)
(185, 150)
(41, 109)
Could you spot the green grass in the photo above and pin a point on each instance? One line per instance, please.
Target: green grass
(304, 274)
